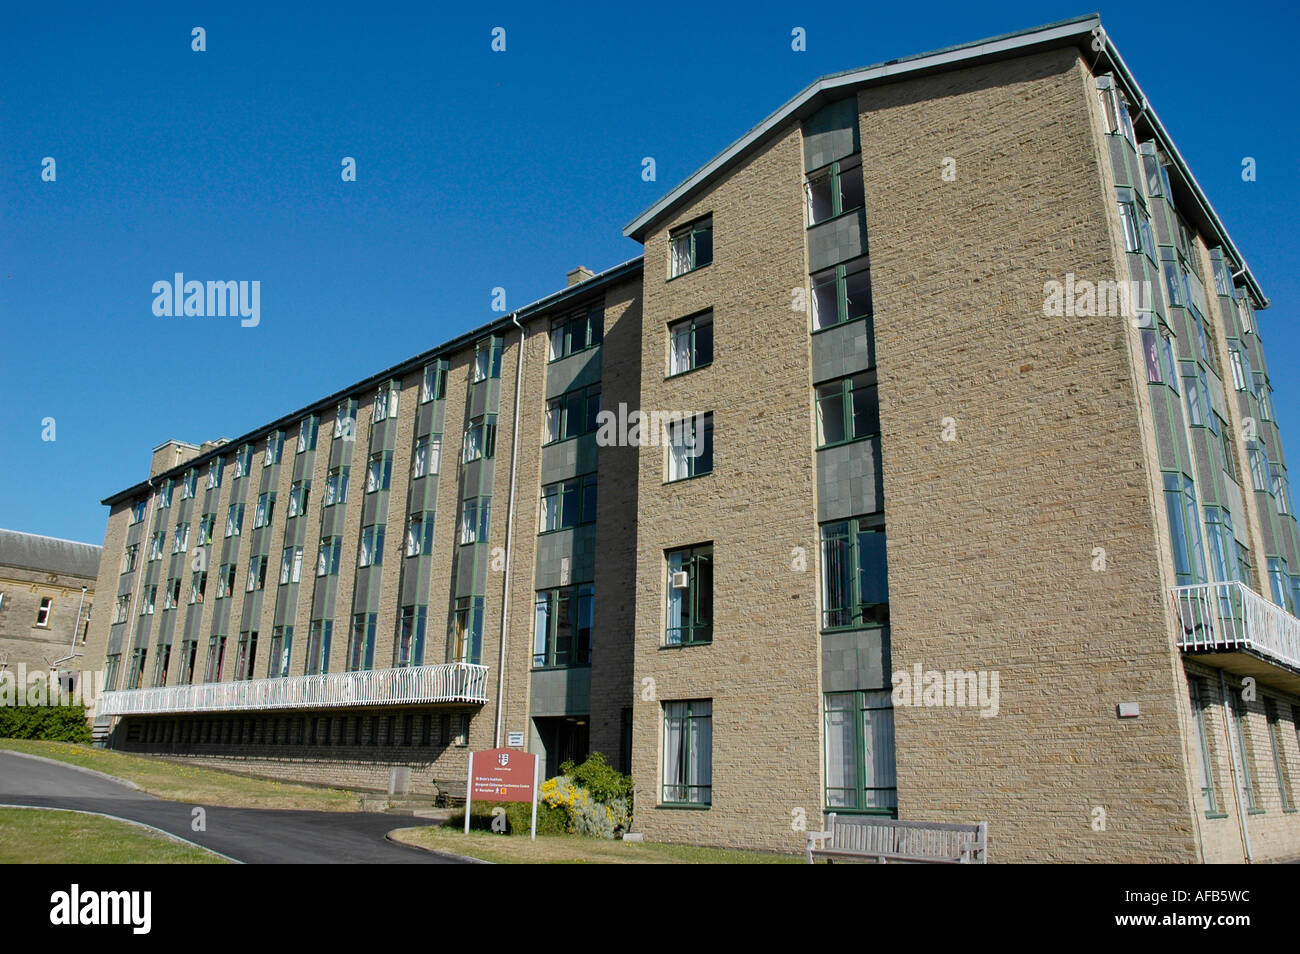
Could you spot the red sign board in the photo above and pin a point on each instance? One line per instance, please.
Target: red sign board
(502, 775)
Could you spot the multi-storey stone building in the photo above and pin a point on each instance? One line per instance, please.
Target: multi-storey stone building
(47, 590)
(959, 523)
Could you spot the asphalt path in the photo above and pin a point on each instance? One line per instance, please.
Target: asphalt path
(251, 835)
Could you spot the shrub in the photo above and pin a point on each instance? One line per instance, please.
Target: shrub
(47, 723)
(550, 820)
(604, 782)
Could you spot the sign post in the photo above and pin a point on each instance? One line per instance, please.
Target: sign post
(502, 775)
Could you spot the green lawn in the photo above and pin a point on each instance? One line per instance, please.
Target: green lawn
(43, 836)
(572, 849)
(192, 783)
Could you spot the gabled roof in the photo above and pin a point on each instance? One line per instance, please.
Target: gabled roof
(49, 554)
(1078, 32)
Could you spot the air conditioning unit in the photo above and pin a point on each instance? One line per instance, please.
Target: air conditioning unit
(681, 580)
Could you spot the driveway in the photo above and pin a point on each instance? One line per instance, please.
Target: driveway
(253, 835)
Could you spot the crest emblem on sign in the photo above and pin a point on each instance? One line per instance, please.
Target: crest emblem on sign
(503, 758)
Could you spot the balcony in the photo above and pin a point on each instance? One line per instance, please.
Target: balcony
(411, 685)
(1230, 626)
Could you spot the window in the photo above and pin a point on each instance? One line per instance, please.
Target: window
(562, 627)
(419, 534)
(475, 517)
(371, 551)
(691, 246)
(690, 596)
(688, 752)
(121, 608)
(690, 343)
(690, 446)
(835, 189)
(307, 434)
(149, 600)
(207, 524)
(480, 438)
(1137, 224)
(1228, 451)
(361, 644)
(298, 494)
(246, 657)
(569, 503)
(1157, 179)
(576, 332)
(379, 471)
(129, 557)
(425, 460)
(43, 612)
(1264, 391)
(198, 586)
(265, 511)
(386, 401)
(226, 581)
(256, 573)
(281, 650)
(291, 565)
(138, 509)
(860, 771)
(216, 658)
(274, 447)
(847, 410)
(855, 578)
(243, 461)
(234, 520)
(181, 538)
(164, 497)
(345, 421)
(467, 629)
(1275, 741)
(487, 359)
(172, 595)
(1281, 489)
(187, 484)
(1260, 477)
(1199, 413)
(410, 636)
(1238, 372)
(1280, 584)
(214, 473)
(841, 293)
(434, 385)
(336, 486)
(1238, 706)
(189, 652)
(318, 646)
(1115, 108)
(327, 560)
(157, 543)
(572, 414)
(1185, 529)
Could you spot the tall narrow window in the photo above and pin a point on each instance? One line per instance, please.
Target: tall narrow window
(43, 612)
(467, 630)
(690, 446)
(1279, 761)
(371, 551)
(361, 645)
(480, 438)
(410, 636)
(690, 343)
(1184, 529)
(562, 626)
(318, 646)
(688, 752)
(281, 650)
(855, 578)
(379, 471)
(860, 766)
(691, 246)
(1242, 743)
(690, 596)
(1199, 707)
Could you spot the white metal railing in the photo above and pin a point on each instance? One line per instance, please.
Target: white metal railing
(1228, 616)
(449, 682)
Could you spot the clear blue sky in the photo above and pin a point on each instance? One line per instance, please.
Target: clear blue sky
(475, 169)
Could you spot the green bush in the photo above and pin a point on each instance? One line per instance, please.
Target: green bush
(550, 820)
(47, 723)
(604, 782)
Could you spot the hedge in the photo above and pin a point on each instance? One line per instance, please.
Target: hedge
(48, 723)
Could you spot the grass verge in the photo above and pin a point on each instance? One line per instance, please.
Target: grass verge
(192, 783)
(42, 836)
(572, 849)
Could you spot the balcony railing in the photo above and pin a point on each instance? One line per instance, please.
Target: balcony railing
(1225, 617)
(450, 682)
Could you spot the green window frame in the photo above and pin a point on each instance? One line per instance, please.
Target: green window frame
(841, 293)
(379, 471)
(319, 636)
(860, 753)
(487, 359)
(572, 414)
(690, 446)
(466, 637)
(855, 574)
(281, 651)
(567, 504)
(835, 189)
(480, 438)
(848, 410)
(475, 520)
(1238, 706)
(1200, 702)
(563, 620)
(1184, 529)
(689, 608)
(327, 558)
(577, 331)
(434, 385)
(298, 496)
(1274, 729)
(246, 657)
(688, 753)
(361, 642)
(690, 344)
(409, 647)
(336, 486)
(690, 247)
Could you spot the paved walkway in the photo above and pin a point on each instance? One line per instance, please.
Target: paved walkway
(253, 835)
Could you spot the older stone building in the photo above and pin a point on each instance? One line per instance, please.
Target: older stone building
(47, 590)
(962, 500)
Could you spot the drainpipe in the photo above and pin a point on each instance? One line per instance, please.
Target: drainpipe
(72, 650)
(1232, 762)
(510, 527)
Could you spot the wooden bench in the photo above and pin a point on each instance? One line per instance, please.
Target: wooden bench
(451, 793)
(884, 840)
